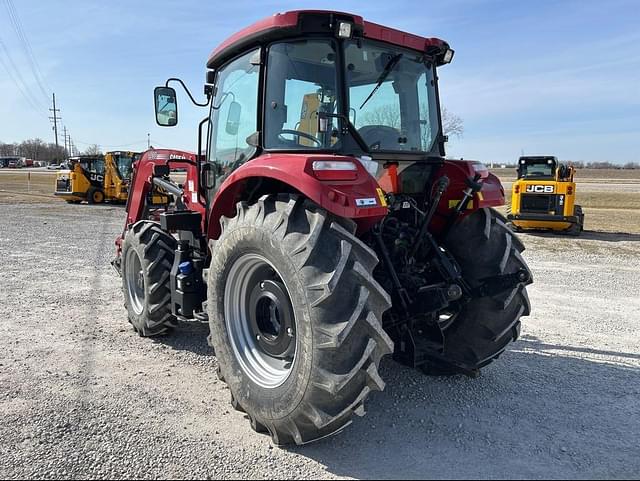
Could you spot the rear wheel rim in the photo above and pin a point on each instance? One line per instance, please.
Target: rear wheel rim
(135, 281)
(260, 320)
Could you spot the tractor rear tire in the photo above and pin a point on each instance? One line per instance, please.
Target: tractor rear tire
(484, 246)
(147, 259)
(321, 274)
(95, 196)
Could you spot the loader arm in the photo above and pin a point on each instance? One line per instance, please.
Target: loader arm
(141, 189)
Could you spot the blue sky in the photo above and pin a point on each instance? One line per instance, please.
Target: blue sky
(539, 77)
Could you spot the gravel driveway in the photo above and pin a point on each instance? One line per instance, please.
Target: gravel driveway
(82, 396)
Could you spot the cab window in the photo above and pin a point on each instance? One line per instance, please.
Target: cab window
(234, 114)
(301, 81)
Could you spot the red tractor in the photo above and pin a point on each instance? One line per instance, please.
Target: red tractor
(322, 229)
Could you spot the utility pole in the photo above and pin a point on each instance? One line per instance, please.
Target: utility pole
(65, 143)
(55, 119)
(148, 141)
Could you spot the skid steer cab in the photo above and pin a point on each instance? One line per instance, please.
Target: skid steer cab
(320, 227)
(97, 179)
(544, 197)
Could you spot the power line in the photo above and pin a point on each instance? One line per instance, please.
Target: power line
(20, 83)
(114, 145)
(22, 92)
(153, 142)
(26, 46)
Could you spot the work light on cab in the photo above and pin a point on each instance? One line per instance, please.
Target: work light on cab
(344, 30)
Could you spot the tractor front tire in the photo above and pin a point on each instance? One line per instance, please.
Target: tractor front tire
(484, 247)
(295, 318)
(147, 258)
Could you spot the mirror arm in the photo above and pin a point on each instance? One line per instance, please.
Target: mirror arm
(186, 89)
(202, 122)
(203, 185)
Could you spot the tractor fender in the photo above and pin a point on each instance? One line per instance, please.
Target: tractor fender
(458, 171)
(358, 198)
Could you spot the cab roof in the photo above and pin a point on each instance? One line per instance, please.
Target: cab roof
(298, 23)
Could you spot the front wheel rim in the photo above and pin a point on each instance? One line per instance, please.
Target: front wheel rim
(260, 320)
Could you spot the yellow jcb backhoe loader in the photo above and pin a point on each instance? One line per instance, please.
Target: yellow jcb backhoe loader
(97, 179)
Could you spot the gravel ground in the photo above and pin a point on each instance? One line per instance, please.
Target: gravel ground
(81, 396)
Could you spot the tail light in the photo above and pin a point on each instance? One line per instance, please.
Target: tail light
(334, 170)
(516, 189)
(570, 190)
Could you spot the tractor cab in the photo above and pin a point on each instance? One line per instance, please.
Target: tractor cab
(322, 83)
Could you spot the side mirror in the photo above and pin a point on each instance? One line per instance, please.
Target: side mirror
(166, 106)
(233, 118)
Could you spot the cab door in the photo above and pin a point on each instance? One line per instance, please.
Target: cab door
(233, 128)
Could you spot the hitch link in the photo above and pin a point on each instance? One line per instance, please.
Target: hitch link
(494, 285)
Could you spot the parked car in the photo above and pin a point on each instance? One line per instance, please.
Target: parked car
(12, 162)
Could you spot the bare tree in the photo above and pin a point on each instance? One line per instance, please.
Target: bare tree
(384, 115)
(8, 149)
(32, 148)
(452, 125)
(93, 150)
(35, 149)
(389, 115)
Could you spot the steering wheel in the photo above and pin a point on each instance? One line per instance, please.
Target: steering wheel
(298, 134)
